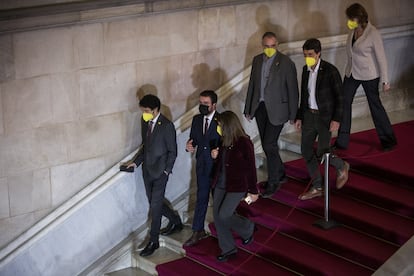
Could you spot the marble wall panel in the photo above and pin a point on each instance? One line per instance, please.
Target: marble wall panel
(93, 228)
(232, 61)
(253, 20)
(121, 41)
(400, 63)
(315, 18)
(217, 28)
(167, 35)
(6, 58)
(178, 80)
(12, 227)
(68, 179)
(95, 137)
(88, 45)
(406, 11)
(29, 192)
(4, 199)
(43, 52)
(107, 90)
(30, 150)
(39, 102)
(1, 115)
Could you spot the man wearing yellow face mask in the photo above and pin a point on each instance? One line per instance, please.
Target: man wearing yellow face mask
(366, 66)
(272, 98)
(157, 155)
(319, 114)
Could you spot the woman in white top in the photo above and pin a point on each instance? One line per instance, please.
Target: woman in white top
(366, 66)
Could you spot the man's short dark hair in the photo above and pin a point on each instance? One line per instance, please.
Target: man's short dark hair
(269, 34)
(211, 94)
(150, 101)
(312, 44)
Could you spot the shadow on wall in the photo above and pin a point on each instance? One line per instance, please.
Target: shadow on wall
(309, 23)
(264, 24)
(203, 78)
(151, 89)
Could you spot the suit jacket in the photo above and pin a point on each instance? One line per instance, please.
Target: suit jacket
(281, 90)
(240, 167)
(329, 93)
(366, 58)
(158, 153)
(204, 142)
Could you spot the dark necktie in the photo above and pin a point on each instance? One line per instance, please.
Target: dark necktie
(206, 126)
(149, 130)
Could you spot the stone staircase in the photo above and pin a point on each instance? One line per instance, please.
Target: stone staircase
(171, 246)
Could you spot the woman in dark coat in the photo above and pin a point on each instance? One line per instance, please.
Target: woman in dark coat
(234, 178)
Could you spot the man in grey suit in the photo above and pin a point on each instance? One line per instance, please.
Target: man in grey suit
(157, 156)
(272, 97)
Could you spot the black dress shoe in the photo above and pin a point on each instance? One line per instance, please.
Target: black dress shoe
(196, 237)
(171, 229)
(149, 249)
(270, 190)
(224, 257)
(250, 239)
(336, 146)
(283, 179)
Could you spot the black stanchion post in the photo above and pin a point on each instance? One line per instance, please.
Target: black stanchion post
(326, 223)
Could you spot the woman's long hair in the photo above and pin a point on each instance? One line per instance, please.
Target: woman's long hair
(231, 128)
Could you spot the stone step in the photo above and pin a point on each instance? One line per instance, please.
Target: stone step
(132, 271)
(166, 253)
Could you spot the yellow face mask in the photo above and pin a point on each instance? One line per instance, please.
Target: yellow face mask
(269, 52)
(310, 61)
(147, 116)
(219, 130)
(351, 24)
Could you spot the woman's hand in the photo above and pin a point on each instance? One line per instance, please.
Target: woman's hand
(254, 197)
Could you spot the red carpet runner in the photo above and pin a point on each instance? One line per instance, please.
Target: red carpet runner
(375, 209)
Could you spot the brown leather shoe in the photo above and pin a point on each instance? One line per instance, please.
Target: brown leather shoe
(195, 237)
(342, 177)
(313, 192)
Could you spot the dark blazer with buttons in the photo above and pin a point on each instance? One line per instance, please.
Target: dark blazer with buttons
(240, 167)
(158, 153)
(205, 143)
(281, 90)
(329, 93)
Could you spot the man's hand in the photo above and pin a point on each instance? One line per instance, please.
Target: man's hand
(386, 86)
(214, 153)
(334, 126)
(298, 124)
(189, 146)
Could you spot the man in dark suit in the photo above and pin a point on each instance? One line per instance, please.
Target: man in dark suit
(204, 137)
(272, 97)
(157, 156)
(319, 114)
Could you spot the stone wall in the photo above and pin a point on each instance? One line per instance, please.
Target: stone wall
(68, 109)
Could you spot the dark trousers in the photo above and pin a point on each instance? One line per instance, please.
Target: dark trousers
(379, 116)
(158, 207)
(225, 220)
(312, 127)
(203, 170)
(269, 135)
